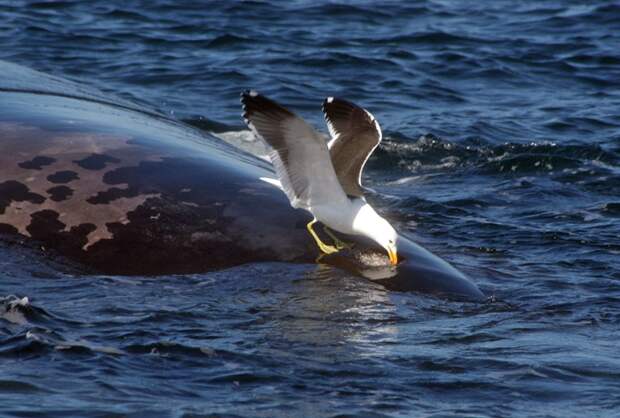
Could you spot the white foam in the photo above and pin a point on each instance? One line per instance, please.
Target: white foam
(12, 313)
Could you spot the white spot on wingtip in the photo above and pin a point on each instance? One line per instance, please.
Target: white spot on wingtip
(253, 93)
(330, 99)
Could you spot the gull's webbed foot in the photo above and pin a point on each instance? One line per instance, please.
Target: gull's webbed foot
(339, 244)
(327, 249)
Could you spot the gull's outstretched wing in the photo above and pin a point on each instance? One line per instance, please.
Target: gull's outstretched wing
(300, 156)
(355, 134)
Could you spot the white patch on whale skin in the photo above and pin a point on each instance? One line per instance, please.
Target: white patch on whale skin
(272, 181)
(246, 141)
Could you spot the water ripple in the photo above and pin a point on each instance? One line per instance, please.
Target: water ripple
(500, 154)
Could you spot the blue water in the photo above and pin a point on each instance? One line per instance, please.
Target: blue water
(501, 154)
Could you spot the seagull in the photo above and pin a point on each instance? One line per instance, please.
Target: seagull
(323, 178)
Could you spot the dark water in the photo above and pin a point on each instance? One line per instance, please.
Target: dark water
(501, 154)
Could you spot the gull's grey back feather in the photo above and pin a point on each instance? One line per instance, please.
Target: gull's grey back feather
(300, 155)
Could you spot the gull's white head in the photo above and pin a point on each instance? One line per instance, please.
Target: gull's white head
(368, 222)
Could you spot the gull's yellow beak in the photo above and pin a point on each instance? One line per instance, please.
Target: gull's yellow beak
(391, 249)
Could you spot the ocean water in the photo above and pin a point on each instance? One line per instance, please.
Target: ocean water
(501, 154)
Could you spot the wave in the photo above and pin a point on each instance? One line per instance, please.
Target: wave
(429, 153)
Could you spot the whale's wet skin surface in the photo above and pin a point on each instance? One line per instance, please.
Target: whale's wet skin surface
(500, 155)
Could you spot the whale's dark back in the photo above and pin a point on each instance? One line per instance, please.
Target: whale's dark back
(130, 191)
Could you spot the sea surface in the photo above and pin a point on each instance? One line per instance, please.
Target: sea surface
(501, 154)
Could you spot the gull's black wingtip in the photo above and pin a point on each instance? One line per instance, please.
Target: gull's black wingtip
(335, 108)
(326, 102)
(249, 93)
(252, 97)
(337, 102)
(249, 103)
(254, 102)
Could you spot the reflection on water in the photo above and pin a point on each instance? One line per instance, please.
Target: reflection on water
(323, 306)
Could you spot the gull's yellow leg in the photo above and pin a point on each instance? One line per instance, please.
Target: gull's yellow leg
(339, 244)
(327, 249)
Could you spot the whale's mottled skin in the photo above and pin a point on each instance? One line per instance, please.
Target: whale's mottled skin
(126, 190)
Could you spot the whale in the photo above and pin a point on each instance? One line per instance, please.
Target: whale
(124, 189)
